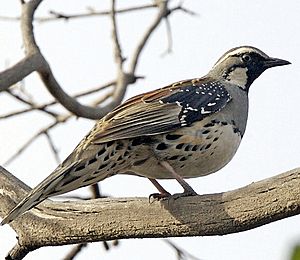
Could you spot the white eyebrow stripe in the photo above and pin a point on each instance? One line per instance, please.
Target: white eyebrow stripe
(239, 51)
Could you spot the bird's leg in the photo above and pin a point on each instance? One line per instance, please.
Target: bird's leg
(187, 189)
(162, 192)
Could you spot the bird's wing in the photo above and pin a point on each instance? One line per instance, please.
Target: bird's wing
(161, 111)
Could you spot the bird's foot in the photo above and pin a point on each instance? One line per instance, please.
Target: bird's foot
(168, 196)
(186, 193)
(159, 196)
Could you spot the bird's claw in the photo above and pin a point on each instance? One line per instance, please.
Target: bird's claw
(159, 196)
(186, 193)
(168, 196)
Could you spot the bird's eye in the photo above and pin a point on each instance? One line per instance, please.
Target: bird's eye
(246, 58)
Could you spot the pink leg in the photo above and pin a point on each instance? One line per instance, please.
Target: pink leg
(162, 192)
(188, 190)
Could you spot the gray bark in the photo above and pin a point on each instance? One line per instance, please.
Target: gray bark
(60, 223)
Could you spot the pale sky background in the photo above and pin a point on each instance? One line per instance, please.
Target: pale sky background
(80, 54)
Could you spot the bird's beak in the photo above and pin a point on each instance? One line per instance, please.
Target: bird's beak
(273, 62)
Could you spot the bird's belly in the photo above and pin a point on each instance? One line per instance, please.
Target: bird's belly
(192, 151)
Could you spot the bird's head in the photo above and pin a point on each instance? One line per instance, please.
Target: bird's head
(242, 65)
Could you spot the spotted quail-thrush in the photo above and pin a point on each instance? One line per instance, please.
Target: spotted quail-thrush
(188, 129)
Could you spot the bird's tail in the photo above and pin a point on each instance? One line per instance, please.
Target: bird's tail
(55, 184)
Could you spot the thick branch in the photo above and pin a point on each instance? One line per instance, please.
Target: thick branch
(19, 71)
(56, 223)
(52, 84)
(35, 61)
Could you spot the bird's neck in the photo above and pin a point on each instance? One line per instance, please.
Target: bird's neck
(235, 76)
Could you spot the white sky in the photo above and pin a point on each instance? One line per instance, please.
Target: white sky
(80, 55)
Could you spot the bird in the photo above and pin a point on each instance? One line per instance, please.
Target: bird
(188, 129)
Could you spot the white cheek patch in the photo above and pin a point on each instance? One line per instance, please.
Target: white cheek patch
(238, 77)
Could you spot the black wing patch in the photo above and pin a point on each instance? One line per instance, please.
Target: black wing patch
(199, 101)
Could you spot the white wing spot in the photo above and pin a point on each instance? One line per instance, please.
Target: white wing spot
(178, 104)
(203, 111)
(211, 104)
(192, 109)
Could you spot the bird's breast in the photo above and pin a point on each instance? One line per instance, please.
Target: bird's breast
(197, 150)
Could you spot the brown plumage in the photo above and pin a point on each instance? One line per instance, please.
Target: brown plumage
(187, 129)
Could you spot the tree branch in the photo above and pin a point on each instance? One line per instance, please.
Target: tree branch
(74, 251)
(42, 107)
(57, 223)
(42, 131)
(30, 103)
(163, 12)
(181, 253)
(116, 41)
(89, 14)
(35, 61)
(53, 148)
(19, 71)
(42, 67)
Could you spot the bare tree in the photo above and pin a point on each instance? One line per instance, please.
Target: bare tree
(54, 223)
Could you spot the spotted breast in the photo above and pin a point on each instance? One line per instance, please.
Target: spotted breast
(203, 144)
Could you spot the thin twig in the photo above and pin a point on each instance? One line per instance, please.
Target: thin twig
(183, 9)
(31, 104)
(90, 14)
(52, 146)
(35, 136)
(94, 90)
(117, 47)
(74, 251)
(47, 76)
(163, 11)
(181, 253)
(54, 102)
(103, 98)
(169, 37)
